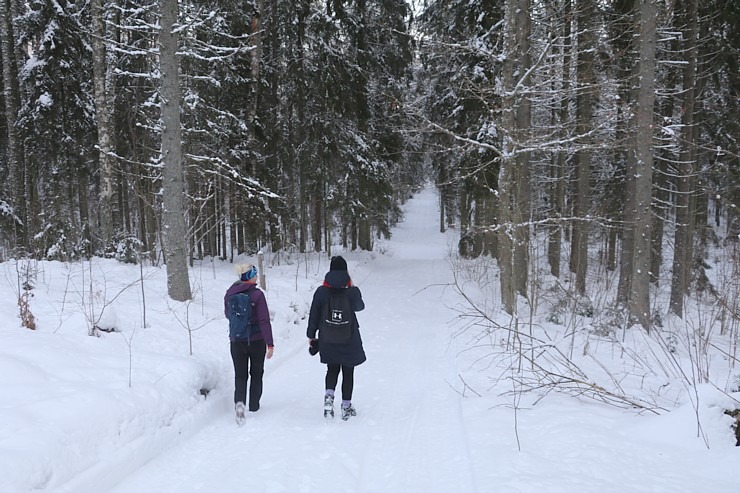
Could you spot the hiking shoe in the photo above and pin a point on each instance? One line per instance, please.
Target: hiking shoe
(348, 412)
(328, 406)
(239, 407)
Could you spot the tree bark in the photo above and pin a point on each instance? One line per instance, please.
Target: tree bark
(508, 173)
(103, 120)
(584, 104)
(521, 212)
(12, 99)
(557, 188)
(255, 45)
(175, 231)
(682, 251)
(639, 294)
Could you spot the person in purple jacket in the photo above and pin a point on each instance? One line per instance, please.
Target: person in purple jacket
(249, 356)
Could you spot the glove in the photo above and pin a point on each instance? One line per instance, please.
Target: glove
(313, 347)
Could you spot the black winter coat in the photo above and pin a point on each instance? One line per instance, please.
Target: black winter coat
(352, 353)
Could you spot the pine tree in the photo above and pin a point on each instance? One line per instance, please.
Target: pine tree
(56, 117)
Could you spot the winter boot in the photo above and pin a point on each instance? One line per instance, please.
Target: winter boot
(328, 406)
(347, 412)
(239, 407)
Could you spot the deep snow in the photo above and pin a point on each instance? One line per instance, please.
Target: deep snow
(125, 413)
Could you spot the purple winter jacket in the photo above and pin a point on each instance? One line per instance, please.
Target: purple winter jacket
(260, 313)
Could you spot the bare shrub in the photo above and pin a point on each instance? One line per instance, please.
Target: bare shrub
(26, 275)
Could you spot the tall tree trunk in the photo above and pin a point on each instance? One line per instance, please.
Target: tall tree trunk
(465, 208)
(103, 120)
(299, 54)
(231, 212)
(12, 99)
(255, 44)
(173, 217)
(584, 104)
(682, 250)
(628, 136)
(442, 186)
(522, 203)
(557, 193)
(662, 196)
(141, 204)
(441, 212)
(84, 209)
(639, 294)
(620, 197)
(489, 207)
(507, 173)
(364, 235)
(318, 205)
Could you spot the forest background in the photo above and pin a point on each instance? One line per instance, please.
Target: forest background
(594, 142)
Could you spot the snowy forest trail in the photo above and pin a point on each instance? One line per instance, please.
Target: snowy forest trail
(409, 434)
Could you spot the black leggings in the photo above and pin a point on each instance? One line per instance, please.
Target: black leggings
(348, 379)
(249, 360)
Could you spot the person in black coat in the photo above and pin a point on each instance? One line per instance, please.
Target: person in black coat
(337, 356)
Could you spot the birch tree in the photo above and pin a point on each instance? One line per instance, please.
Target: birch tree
(103, 109)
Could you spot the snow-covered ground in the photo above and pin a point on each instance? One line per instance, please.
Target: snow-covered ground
(125, 412)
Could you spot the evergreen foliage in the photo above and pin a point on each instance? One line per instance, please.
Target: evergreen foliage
(307, 123)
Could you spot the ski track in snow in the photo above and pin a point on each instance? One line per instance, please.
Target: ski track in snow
(408, 434)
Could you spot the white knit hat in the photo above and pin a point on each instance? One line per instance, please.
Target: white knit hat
(245, 271)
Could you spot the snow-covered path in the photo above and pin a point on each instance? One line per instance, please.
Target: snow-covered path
(409, 433)
(124, 413)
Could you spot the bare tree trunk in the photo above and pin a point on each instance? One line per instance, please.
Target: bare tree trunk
(682, 251)
(11, 92)
(621, 194)
(660, 210)
(231, 216)
(103, 108)
(557, 194)
(489, 208)
(441, 213)
(175, 230)
(221, 218)
(464, 208)
(584, 103)
(318, 205)
(522, 203)
(255, 44)
(303, 215)
(508, 162)
(442, 185)
(639, 294)
(626, 258)
(84, 209)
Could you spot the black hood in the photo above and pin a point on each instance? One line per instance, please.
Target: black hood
(337, 279)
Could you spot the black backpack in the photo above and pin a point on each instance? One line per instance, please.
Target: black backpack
(239, 309)
(335, 326)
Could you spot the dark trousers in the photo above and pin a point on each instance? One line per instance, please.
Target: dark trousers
(348, 379)
(249, 360)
